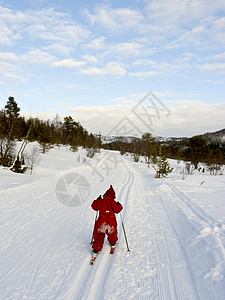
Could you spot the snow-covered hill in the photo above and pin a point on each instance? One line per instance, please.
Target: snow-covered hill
(175, 230)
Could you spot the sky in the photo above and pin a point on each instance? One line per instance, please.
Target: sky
(117, 67)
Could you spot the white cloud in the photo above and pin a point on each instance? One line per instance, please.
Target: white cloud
(168, 24)
(111, 68)
(182, 12)
(218, 67)
(9, 24)
(8, 56)
(148, 68)
(128, 49)
(48, 25)
(193, 37)
(54, 26)
(69, 63)
(59, 49)
(9, 70)
(144, 62)
(216, 31)
(96, 44)
(90, 58)
(114, 20)
(144, 74)
(219, 56)
(39, 57)
(192, 119)
(119, 50)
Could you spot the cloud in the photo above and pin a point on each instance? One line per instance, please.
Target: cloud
(105, 49)
(219, 56)
(144, 74)
(8, 56)
(216, 31)
(114, 20)
(9, 70)
(145, 68)
(9, 24)
(127, 49)
(208, 33)
(59, 49)
(192, 118)
(90, 58)
(173, 24)
(143, 61)
(69, 63)
(96, 43)
(111, 68)
(217, 67)
(39, 57)
(51, 26)
(180, 13)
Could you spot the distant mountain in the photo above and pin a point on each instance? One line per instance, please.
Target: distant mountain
(114, 139)
(215, 137)
(211, 137)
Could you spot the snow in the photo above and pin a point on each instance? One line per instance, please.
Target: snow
(175, 229)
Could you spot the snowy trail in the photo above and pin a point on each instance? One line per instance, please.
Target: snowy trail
(205, 251)
(90, 281)
(177, 247)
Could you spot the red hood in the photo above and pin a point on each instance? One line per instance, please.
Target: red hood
(110, 193)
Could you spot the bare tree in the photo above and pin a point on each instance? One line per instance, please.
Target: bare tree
(33, 158)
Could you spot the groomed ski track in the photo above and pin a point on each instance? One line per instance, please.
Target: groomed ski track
(91, 280)
(45, 251)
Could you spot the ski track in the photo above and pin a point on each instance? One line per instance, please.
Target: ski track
(210, 234)
(174, 277)
(198, 212)
(173, 267)
(90, 281)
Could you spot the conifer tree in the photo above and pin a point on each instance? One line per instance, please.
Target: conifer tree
(163, 166)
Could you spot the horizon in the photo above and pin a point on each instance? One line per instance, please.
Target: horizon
(97, 62)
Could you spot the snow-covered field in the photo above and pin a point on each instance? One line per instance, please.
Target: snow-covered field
(175, 230)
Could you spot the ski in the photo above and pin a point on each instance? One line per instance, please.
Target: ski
(112, 250)
(93, 258)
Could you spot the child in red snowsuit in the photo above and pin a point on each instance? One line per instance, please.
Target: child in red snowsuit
(106, 222)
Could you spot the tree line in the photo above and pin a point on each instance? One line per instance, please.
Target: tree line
(56, 132)
(195, 150)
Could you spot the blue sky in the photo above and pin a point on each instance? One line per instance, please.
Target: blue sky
(96, 60)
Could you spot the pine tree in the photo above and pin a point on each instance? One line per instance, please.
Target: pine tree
(163, 166)
(11, 108)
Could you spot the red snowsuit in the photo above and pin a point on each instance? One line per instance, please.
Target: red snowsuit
(106, 222)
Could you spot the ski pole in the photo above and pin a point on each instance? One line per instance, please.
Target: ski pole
(124, 233)
(94, 227)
